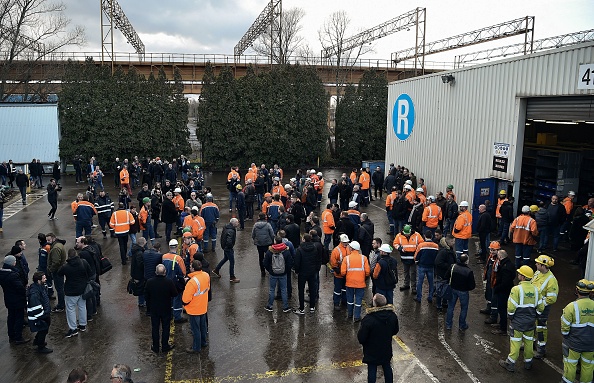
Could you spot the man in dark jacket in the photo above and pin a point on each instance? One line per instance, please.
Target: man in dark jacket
(22, 266)
(378, 182)
(263, 236)
(484, 231)
(557, 216)
(462, 281)
(56, 259)
(333, 193)
(366, 231)
(38, 311)
(400, 207)
(77, 273)
(450, 215)
(308, 259)
(278, 277)
(376, 332)
(343, 226)
(22, 182)
(87, 253)
(385, 273)
(52, 198)
(293, 231)
(159, 291)
(446, 257)
(15, 299)
(505, 273)
(507, 216)
(228, 236)
(137, 268)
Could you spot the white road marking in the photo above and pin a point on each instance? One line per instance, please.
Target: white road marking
(416, 360)
(452, 352)
(406, 373)
(17, 205)
(553, 366)
(487, 345)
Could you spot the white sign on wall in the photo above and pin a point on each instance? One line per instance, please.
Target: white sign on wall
(501, 150)
(586, 77)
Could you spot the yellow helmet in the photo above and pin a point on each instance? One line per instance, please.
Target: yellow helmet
(526, 271)
(533, 208)
(584, 285)
(545, 260)
(502, 192)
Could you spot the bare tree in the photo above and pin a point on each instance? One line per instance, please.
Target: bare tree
(340, 60)
(30, 31)
(288, 31)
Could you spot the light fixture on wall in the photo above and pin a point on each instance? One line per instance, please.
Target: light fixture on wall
(448, 78)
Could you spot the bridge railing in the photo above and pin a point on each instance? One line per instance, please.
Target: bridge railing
(225, 59)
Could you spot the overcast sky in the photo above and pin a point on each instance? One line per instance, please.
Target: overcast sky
(215, 26)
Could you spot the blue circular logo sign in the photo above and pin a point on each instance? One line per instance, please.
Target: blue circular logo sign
(403, 116)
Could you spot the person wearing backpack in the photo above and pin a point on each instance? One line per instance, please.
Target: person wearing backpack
(278, 262)
(385, 273)
(308, 259)
(273, 212)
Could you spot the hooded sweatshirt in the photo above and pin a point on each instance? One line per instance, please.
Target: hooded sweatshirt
(275, 249)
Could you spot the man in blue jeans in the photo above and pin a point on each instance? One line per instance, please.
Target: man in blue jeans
(210, 212)
(462, 281)
(278, 262)
(425, 260)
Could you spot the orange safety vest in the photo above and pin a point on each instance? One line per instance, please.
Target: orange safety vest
(364, 180)
(355, 268)
(195, 295)
(74, 206)
(250, 176)
(523, 230)
(124, 176)
(320, 186)
(142, 217)
(179, 203)
(499, 203)
(200, 226)
(120, 221)
(337, 256)
(464, 225)
(231, 173)
(409, 245)
(432, 215)
(568, 203)
(280, 190)
(422, 198)
(191, 223)
(353, 177)
(327, 221)
(390, 200)
(411, 196)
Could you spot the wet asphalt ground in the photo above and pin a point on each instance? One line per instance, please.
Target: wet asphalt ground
(247, 343)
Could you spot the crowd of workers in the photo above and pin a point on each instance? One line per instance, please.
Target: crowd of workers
(295, 234)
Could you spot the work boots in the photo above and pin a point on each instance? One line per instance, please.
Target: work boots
(507, 365)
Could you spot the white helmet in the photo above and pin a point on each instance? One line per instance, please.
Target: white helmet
(407, 187)
(464, 204)
(431, 198)
(173, 242)
(355, 245)
(420, 190)
(312, 171)
(408, 182)
(352, 204)
(385, 248)
(320, 174)
(177, 190)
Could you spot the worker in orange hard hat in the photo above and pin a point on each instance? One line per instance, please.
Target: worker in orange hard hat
(489, 282)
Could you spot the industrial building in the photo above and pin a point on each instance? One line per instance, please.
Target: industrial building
(523, 124)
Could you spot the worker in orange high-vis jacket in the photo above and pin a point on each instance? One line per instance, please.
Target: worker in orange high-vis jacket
(328, 224)
(120, 222)
(337, 256)
(125, 179)
(84, 213)
(500, 200)
(353, 177)
(420, 196)
(365, 182)
(195, 301)
(568, 204)
(407, 242)
(462, 229)
(179, 203)
(74, 205)
(390, 200)
(250, 175)
(319, 187)
(355, 268)
(432, 214)
(523, 232)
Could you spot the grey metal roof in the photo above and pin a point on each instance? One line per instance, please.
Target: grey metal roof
(29, 131)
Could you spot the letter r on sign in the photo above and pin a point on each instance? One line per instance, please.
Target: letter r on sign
(402, 127)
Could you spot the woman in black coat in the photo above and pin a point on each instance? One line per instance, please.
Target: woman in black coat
(375, 335)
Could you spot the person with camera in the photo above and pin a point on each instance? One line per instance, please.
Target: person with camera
(52, 198)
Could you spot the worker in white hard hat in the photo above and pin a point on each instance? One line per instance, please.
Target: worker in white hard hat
(462, 229)
(176, 271)
(421, 196)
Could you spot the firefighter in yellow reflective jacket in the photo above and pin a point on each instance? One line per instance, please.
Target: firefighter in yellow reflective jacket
(548, 288)
(523, 305)
(577, 327)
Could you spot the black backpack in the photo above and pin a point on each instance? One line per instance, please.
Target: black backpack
(391, 276)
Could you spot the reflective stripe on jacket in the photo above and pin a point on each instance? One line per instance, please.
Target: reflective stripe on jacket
(463, 225)
(523, 305)
(523, 230)
(355, 267)
(432, 215)
(120, 221)
(195, 297)
(547, 286)
(577, 325)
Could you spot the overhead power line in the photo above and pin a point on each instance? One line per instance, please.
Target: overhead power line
(524, 25)
(115, 16)
(404, 21)
(264, 21)
(538, 45)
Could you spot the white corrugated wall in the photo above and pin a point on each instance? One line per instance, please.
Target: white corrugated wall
(456, 125)
(29, 131)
